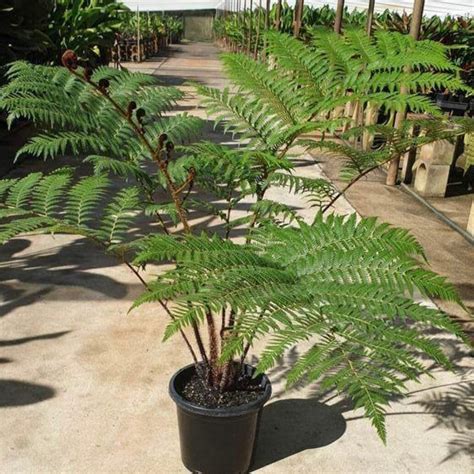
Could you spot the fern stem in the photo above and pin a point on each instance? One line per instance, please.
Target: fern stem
(213, 349)
(158, 215)
(223, 325)
(163, 305)
(200, 344)
(260, 195)
(188, 192)
(162, 222)
(352, 182)
(187, 183)
(227, 217)
(249, 343)
(225, 335)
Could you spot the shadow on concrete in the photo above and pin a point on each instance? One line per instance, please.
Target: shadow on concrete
(25, 340)
(291, 426)
(30, 277)
(15, 393)
(5, 360)
(453, 409)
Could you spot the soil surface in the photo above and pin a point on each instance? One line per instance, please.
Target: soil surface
(198, 392)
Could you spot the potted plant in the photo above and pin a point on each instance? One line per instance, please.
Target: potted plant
(344, 286)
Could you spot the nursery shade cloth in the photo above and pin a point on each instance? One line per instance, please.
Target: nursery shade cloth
(432, 7)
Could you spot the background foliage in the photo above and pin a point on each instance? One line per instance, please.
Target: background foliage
(448, 30)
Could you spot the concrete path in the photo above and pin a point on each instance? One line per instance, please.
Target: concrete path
(83, 385)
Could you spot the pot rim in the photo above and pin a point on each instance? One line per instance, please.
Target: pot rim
(239, 410)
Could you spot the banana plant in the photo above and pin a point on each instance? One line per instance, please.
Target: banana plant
(23, 26)
(86, 26)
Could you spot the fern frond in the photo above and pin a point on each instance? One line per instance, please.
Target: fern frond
(267, 209)
(22, 226)
(341, 284)
(21, 191)
(180, 128)
(48, 194)
(241, 115)
(84, 197)
(51, 145)
(317, 190)
(119, 215)
(268, 89)
(125, 169)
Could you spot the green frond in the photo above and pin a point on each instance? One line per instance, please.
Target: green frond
(241, 115)
(317, 190)
(5, 185)
(293, 55)
(119, 215)
(270, 90)
(22, 226)
(73, 117)
(266, 209)
(164, 209)
(125, 169)
(51, 145)
(180, 128)
(157, 100)
(49, 193)
(20, 192)
(84, 198)
(355, 159)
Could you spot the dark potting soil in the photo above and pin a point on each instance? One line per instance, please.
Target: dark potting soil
(198, 392)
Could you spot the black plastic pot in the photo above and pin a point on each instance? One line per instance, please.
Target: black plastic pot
(221, 440)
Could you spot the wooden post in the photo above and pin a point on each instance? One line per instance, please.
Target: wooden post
(298, 15)
(267, 15)
(371, 112)
(249, 43)
(338, 19)
(138, 35)
(415, 26)
(370, 17)
(417, 18)
(257, 36)
(267, 27)
(278, 16)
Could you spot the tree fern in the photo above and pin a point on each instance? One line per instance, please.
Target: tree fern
(339, 283)
(344, 286)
